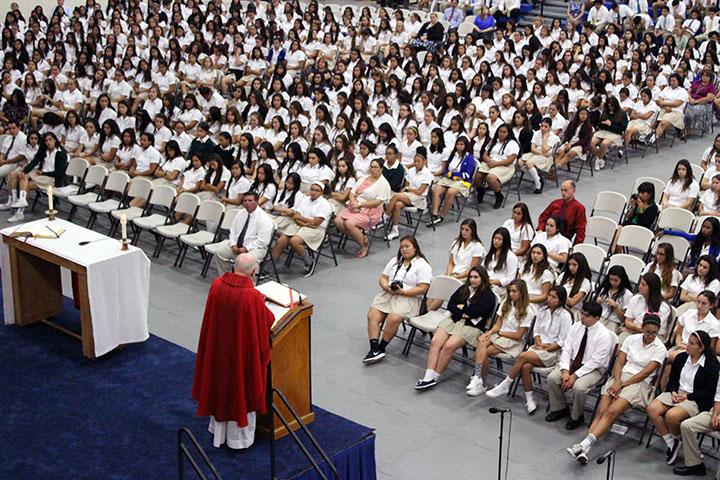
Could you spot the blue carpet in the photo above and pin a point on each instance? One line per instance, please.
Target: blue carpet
(64, 416)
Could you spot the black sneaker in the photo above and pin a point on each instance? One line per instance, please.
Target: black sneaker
(538, 191)
(673, 452)
(373, 356)
(309, 269)
(480, 194)
(431, 222)
(424, 384)
(499, 197)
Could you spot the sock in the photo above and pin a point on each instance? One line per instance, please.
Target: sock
(374, 344)
(430, 374)
(23, 195)
(507, 381)
(529, 396)
(477, 372)
(669, 439)
(533, 174)
(14, 196)
(587, 443)
(383, 344)
(20, 211)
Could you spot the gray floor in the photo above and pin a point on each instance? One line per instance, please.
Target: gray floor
(441, 433)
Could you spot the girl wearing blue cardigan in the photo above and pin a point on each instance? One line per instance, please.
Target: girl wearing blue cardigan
(705, 242)
(456, 180)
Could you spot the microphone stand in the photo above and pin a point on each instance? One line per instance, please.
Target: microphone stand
(500, 450)
(610, 457)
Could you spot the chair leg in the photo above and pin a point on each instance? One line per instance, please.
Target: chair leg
(652, 432)
(179, 255)
(73, 209)
(206, 265)
(409, 341)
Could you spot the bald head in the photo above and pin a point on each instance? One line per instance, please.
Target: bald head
(567, 190)
(246, 265)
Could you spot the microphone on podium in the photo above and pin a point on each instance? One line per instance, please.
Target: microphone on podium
(494, 410)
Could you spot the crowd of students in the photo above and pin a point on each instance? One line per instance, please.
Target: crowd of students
(305, 117)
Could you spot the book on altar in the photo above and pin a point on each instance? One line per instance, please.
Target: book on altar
(38, 231)
(280, 294)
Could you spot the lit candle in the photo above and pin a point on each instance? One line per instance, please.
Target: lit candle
(123, 225)
(50, 197)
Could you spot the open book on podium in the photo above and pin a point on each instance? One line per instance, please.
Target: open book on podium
(290, 369)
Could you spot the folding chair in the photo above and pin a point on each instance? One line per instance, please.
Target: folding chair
(186, 204)
(515, 180)
(636, 238)
(209, 211)
(681, 247)
(94, 180)
(114, 195)
(610, 202)
(211, 249)
(698, 223)
(633, 265)
(601, 229)
(162, 200)
(315, 255)
(648, 139)
(589, 162)
(140, 188)
(77, 168)
(595, 256)
(676, 219)
(441, 288)
(261, 274)
(659, 185)
(461, 201)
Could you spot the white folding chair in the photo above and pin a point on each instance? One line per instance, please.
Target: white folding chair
(659, 186)
(186, 204)
(140, 188)
(596, 257)
(635, 238)
(161, 200)
(441, 288)
(465, 28)
(676, 219)
(681, 246)
(112, 197)
(601, 230)
(633, 265)
(77, 168)
(94, 180)
(610, 202)
(698, 223)
(212, 248)
(210, 212)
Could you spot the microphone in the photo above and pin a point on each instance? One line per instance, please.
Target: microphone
(494, 410)
(605, 456)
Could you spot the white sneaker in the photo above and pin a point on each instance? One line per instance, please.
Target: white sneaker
(6, 206)
(478, 389)
(499, 390)
(473, 382)
(531, 406)
(599, 164)
(21, 203)
(17, 217)
(393, 235)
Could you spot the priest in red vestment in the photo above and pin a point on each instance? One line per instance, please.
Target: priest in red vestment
(233, 356)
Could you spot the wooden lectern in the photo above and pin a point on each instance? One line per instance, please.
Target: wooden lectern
(290, 370)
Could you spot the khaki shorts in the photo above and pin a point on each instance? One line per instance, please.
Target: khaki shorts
(467, 333)
(614, 138)
(40, 180)
(688, 405)
(637, 394)
(507, 345)
(548, 359)
(405, 307)
(504, 174)
(579, 152)
(312, 237)
(541, 162)
(462, 187)
(417, 201)
(640, 126)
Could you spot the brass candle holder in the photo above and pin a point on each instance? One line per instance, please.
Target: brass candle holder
(124, 244)
(51, 214)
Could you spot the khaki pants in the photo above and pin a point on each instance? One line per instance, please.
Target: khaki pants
(224, 258)
(579, 391)
(689, 430)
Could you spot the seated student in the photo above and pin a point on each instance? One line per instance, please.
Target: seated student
(576, 278)
(506, 335)
(641, 116)
(404, 281)
(310, 218)
(705, 242)
(663, 265)
(642, 209)
(264, 184)
(682, 189)
(538, 275)
(576, 139)
(147, 158)
(690, 390)
(672, 102)
(286, 200)
(418, 179)
(500, 262)
(11, 150)
(586, 353)
(193, 176)
(521, 229)
(648, 299)
(630, 385)
(364, 209)
(498, 163)
(127, 151)
(611, 128)
(557, 245)
(236, 188)
(342, 184)
(614, 295)
(47, 168)
(456, 181)
(202, 144)
(251, 232)
(699, 318)
(710, 198)
(169, 172)
(392, 169)
(471, 306)
(552, 324)
(691, 431)
(703, 278)
(540, 154)
(216, 177)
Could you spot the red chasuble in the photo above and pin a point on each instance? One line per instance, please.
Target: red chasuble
(233, 352)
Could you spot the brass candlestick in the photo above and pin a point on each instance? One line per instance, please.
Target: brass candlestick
(51, 214)
(124, 244)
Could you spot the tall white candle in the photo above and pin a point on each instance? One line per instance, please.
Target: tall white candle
(50, 197)
(123, 225)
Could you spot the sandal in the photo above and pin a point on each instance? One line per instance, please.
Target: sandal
(362, 253)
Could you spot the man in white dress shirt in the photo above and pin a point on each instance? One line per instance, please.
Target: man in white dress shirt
(585, 357)
(251, 232)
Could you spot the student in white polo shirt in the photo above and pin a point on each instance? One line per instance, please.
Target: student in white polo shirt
(698, 318)
(418, 179)
(11, 150)
(558, 246)
(630, 384)
(147, 158)
(310, 219)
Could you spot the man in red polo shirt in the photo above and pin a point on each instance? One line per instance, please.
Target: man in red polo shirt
(568, 208)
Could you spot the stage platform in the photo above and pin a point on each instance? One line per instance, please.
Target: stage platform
(117, 417)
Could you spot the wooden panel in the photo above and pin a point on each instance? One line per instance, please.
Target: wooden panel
(291, 372)
(37, 287)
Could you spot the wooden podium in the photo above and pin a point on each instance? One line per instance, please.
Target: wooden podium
(290, 370)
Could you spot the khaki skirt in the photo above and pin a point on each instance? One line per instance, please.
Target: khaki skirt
(40, 180)
(282, 224)
(312, 237)
(507, 345)
(639, 125)
(417, 201)
(614, 138)
(336, 206)
(405, 307)
(466, 332)
(541, 162)
(504, 174)
(677, 119)
(637, 394)
(462, 187)
(548, 359)
(688, 405)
